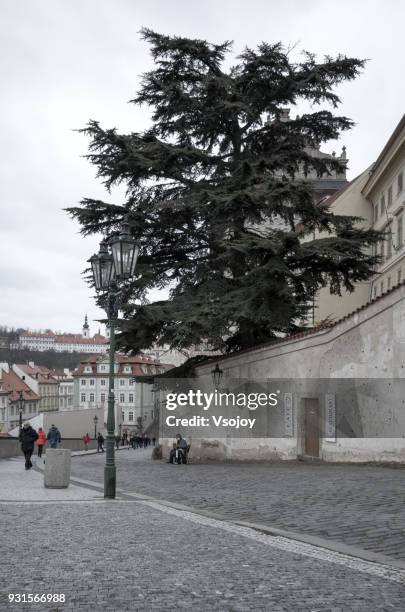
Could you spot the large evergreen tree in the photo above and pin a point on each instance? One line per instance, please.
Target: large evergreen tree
(218, 197)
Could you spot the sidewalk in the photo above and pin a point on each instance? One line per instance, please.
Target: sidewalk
(139, 554)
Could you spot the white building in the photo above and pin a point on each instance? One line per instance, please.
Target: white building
(133, 383)
(378, 197)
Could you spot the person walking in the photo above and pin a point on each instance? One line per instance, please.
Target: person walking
(41, 441)
(100, 443)
(86, 440)
(54, 436)
(27, 437)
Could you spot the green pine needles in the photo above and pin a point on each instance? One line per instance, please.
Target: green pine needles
(220, 197)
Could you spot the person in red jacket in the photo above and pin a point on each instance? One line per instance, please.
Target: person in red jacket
(41, 441)
(86, 440)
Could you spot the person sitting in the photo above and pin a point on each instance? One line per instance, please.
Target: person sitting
(179, 450)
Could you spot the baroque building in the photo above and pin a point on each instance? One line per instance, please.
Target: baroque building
(377, 196)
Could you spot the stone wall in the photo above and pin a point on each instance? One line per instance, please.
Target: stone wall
(369, 344)
(10, 447)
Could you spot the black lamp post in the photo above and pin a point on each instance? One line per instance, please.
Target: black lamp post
(112, 266)
(216, 376)
(95, 425)
(21, 401)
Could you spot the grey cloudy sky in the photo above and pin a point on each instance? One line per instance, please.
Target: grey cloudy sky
(63, 62)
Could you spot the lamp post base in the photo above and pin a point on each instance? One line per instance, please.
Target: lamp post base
(109, 481)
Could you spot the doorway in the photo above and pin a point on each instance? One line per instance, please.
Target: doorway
(311, 427)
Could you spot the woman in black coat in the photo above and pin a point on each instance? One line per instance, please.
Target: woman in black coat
(28, 436)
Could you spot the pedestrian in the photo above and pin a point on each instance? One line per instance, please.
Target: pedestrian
(54, 436)
(154, 441)
(117, 441)
(41, 441)
(86, 440)
(100, 443)
(27, 437)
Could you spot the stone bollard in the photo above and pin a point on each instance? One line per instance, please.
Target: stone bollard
(57, 468)
(157, 452)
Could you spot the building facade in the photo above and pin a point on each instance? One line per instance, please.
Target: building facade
(40, 380)
(378, 197)
(133, 384)
(15, 397)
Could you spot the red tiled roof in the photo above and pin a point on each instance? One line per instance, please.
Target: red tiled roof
(13, 384)
(136, 364)
(40, 373)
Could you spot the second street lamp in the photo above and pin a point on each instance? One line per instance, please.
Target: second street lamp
(109, 271)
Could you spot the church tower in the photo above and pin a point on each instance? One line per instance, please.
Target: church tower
(86, 328)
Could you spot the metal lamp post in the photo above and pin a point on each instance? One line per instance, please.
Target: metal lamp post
(112, 266)
(216, 376)
(95, 425)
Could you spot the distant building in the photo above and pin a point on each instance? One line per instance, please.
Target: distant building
(66, 388)
(70, 343)
(378, 196)
(15, 396)
(40, 380)
(133, 382)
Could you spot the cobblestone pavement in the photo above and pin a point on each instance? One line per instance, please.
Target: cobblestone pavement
(361, 506)
(117, 555)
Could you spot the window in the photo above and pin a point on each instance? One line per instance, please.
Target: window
(131, 382)
(389, 195)
(102, 397)
(389, 244)
(102, 368)
(131, 398)
(131, 416)
(399, 275)
(103, 382)
(382, 205)
(91, 382)
(127, 369)
(400, 232)
(83, 381)
(83, 397)
(122, 397)
(122, 382)
(92, 397)
(400, 182)
(388, 283)
(87, 369)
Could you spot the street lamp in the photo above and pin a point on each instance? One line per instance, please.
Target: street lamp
(113, 265)
(21, 401)
(216, 376)
(95, 425)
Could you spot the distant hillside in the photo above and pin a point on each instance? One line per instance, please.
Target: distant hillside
(50, 359)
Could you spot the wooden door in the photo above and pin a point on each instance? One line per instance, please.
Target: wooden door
(311, 408)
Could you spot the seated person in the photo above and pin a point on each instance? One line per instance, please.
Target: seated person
(181, 446)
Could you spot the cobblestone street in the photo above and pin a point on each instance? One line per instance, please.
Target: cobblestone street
(361, 506)
(139, 555)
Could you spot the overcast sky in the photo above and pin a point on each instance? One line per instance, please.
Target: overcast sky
(63, 62)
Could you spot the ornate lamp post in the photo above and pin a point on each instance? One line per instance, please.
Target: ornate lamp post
(216, 376)
(95, 425)
(112, 267)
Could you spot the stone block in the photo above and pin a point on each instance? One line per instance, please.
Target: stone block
(57, 468)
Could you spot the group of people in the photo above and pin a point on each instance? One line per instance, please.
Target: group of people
(29, 436)
(134, 441)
